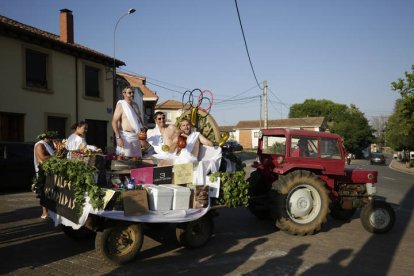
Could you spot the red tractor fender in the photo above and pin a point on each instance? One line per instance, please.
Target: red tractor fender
(285, 168)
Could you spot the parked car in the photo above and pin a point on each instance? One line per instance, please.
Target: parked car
(232, 146)
(377, 158)
(16, 166)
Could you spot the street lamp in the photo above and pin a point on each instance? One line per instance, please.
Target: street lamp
(130, 11)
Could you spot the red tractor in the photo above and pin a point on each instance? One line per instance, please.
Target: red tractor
(301, 176)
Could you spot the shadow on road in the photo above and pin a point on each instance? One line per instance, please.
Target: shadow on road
(374, 258)
(36, 244)
(285, 265)
(369, 257)
(220, 255)
(20, 214)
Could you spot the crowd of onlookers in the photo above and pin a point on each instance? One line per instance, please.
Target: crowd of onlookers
(404, 156)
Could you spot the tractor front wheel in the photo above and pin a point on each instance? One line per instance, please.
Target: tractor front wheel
(377, 217)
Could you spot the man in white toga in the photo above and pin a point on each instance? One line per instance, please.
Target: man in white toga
(127, 123)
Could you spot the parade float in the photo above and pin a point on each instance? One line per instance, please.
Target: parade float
(92, 195)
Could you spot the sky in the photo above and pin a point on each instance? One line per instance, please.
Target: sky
(348, 52)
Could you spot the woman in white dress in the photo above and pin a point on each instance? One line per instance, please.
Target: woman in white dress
(76, 141)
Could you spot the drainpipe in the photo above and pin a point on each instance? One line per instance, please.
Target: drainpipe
(76, 91)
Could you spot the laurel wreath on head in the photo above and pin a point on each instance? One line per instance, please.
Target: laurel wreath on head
(47, 134)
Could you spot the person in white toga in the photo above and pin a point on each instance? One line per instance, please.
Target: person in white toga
(189, 154)
(127, 123)
(43, 151)
(76, 140)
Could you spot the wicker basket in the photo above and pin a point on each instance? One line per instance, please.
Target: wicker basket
(120, 165)
(95, 160)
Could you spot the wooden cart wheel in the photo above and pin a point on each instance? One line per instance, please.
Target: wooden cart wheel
(205, 124)
(195, 234)
(119, 244)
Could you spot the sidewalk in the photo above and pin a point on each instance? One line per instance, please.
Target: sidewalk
(399, 166)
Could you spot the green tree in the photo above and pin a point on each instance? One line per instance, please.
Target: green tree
(349, 122)
(400, 127)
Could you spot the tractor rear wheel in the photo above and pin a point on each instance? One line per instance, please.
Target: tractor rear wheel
(300, 203)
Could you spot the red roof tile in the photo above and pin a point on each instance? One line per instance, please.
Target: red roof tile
(169, 104)
(291, 122)
(226, 128)
(15, 29)
(139, 81)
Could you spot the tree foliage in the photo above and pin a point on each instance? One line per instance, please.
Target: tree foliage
(400, 128)
(349, 122)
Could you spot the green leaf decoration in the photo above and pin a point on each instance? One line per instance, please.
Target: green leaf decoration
(234, 188)
(81, 175)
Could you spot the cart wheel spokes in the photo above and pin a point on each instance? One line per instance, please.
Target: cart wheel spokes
(119, 244)
(195, 234)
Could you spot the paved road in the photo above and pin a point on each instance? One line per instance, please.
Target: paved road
(242, 245)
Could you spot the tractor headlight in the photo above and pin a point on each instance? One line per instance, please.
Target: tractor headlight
(279, 159)
(371, 189)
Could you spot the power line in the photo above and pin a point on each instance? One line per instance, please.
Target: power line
(217, 101)
(251, 88)
(231, 101)
(166, 88)
(232, 97)
(245, 44)
(272, 104)
(160, 81)
(231, 106)
(280, 101)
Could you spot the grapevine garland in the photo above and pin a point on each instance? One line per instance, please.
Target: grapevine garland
(78, 173)
(234, 188)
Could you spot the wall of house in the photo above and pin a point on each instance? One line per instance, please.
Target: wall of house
(255, 137)
(245, 138)
(234, 136)
(60, 99)
(95, 109)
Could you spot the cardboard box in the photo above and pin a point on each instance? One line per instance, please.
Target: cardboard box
(162, 175)
(181, 198)
(143, 175)
(135, 202)
(160, 198)
(183, 173)
(200, 199)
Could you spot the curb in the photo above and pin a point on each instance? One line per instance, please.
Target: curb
(403, 170)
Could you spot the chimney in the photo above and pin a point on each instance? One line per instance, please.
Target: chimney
(66, 26)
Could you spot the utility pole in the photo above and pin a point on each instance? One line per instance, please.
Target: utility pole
(265, 103)
(265, 111)
(260, 111)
